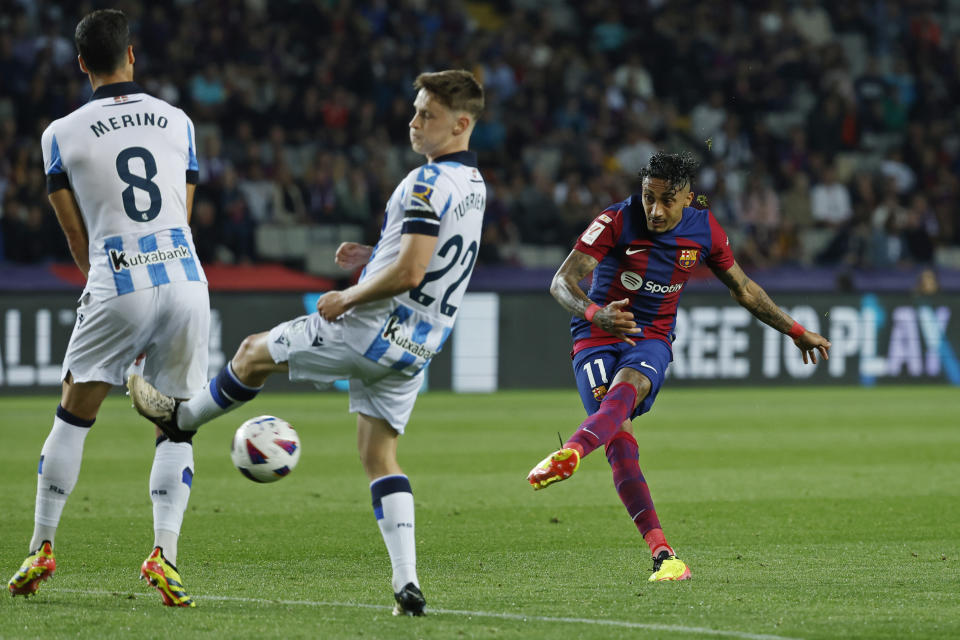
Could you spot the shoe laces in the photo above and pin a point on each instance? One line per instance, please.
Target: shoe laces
(659, 560)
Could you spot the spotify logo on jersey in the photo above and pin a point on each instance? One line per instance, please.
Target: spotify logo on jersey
(631, 280)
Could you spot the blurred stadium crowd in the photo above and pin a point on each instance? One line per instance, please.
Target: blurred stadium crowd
(828, 131)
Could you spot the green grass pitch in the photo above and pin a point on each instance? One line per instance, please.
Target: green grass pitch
(803, 513)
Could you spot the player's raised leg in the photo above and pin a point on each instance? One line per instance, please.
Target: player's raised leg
(57, 475)
(238, 382)
(628, 389)
(393, 507)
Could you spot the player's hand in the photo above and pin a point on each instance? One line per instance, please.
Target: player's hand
(351, 255)
(617, 322)
(810, 343)
(332, 305)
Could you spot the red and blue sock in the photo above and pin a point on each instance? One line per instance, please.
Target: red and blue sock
(600, 427)
(623, 455)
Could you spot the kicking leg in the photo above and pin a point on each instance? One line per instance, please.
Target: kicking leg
(628, 390)
(393, 508)
(238, 382)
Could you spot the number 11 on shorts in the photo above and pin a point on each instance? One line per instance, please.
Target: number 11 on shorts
(600, 369)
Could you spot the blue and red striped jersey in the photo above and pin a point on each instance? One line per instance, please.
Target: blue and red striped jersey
(650, 269)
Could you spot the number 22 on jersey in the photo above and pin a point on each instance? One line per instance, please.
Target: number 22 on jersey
(469, 258)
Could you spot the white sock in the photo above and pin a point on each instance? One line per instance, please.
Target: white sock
(170, 480)
(393, 507)
(57, 473)
(167, 540)
(221, 394)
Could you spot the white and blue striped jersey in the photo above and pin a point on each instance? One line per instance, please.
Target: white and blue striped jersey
(445, 198)
(128, 157)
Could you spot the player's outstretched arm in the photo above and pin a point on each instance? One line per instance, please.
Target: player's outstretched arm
(68, 215)
(754, 299)
(566, 289)
(352, 255)
(403, 274)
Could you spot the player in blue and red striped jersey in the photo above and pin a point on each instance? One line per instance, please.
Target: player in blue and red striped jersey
(642, 252)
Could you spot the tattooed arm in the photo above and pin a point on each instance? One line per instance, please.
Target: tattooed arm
(755, 300)
(566, 289)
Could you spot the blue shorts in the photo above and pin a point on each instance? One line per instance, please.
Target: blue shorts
(595, 368)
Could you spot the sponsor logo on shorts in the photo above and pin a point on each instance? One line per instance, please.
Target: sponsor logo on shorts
(120, 260)
(391, 333)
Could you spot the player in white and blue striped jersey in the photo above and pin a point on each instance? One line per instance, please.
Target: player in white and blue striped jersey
(121, 172)
(383, 331)
(443, 199)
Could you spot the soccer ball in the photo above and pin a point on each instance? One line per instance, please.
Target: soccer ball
(265, 449)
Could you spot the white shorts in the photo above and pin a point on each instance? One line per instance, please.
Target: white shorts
(170, 324)
(318, 351)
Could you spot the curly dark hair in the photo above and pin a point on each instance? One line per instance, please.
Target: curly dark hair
(677, 169)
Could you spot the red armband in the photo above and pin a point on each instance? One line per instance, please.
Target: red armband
(796, 330)
(591, 311)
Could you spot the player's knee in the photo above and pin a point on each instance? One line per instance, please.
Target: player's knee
(248, 360)
(377, 446)
(377, 463)
(241, 359)
(643, 387)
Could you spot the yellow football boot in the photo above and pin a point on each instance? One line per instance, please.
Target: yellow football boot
(165, 577)
(557, 466)
(35, 569)
(668, 567)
